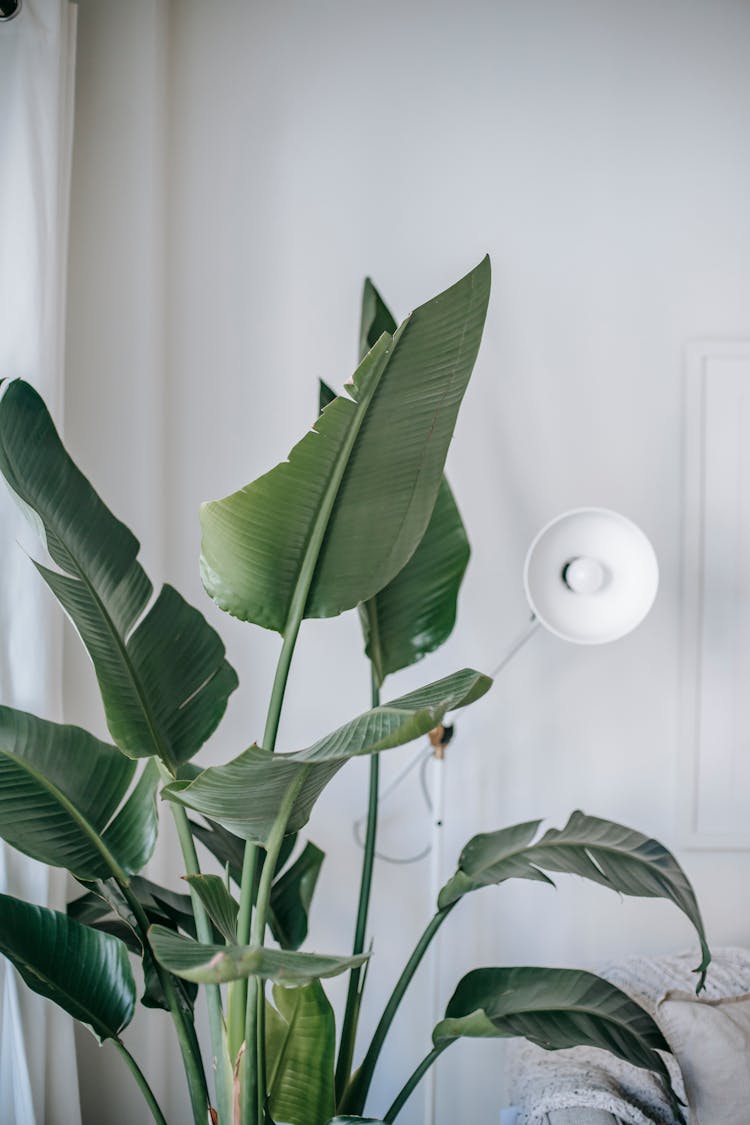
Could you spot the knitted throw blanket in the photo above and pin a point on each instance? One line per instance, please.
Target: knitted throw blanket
(583, 1077)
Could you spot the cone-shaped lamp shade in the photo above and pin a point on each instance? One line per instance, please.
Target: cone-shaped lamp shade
(591, 576)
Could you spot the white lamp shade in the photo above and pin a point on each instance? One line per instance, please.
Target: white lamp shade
(591, 576)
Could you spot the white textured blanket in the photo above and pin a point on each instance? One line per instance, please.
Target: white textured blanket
(544, 1081)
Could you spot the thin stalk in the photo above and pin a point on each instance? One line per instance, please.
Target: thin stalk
(355, 1095)
(237, 996)
(353, 995)
(140, 1078)
(250, 861)
(245, 997)
(404, 1094)
(251, 1092)
(254, 1038)
(186, 1037)
(204, 932)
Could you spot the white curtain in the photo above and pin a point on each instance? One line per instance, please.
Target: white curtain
(37, 57)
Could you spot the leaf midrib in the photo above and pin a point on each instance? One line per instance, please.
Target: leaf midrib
(162, 749)
(325, 510)
(72, 811)
(80, 574)
(100, 1028)
(281, 1057)
(592, 1013)
(423, 452)
(527, 849)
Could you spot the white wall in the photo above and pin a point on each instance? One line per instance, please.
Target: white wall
(239, 168)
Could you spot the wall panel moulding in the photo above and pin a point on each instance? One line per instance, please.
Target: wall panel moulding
(715, 699)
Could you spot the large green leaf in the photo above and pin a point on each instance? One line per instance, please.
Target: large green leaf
(300, 1054)
(217, 964)
(59, 789)
(607, 853)
(554, 1008)
(164, 681)
(245, 795)
(86, 972)
(335, 523)
(415, 613)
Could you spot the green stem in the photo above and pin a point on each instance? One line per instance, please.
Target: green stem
(237, 996)
(186, 1037)
(250, 861)
(254, 1039)
(354, 1098)
(140, 1078)
(404, 1095)
(205, 934)
(245, 1002)
(353, 995)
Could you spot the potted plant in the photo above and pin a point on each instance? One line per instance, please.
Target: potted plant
(358, 517)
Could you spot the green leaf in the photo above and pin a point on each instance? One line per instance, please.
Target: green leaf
(300, 1053)
(291, 896)
(223, 845)
(220, 906)
(415, 613)
(607, 853)
(83, 971)
(376, 318)
(340, 518)
(164, 681)
(245, 795)
(217, 964)
(59, 788)
(554, 1008)
(132, 834)
(164, 904)
(326, 394)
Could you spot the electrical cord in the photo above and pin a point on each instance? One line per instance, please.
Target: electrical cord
(422, 760)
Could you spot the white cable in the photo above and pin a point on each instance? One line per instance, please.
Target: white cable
(518, 644)
(419, 759)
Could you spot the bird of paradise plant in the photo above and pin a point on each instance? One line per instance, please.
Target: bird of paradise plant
(358, 516)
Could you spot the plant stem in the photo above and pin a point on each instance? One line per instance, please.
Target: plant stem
(245, 1002)
(140, 1078)
(250, 1092)
(353, 995)
(254, 1039)
(354, 1098)
(204, 931)
(404, 1095)
(237, 996)
(188, 1040)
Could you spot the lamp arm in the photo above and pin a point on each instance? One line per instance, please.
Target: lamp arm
(528, 632)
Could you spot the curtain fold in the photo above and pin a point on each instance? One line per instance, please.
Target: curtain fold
(38, 1077)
